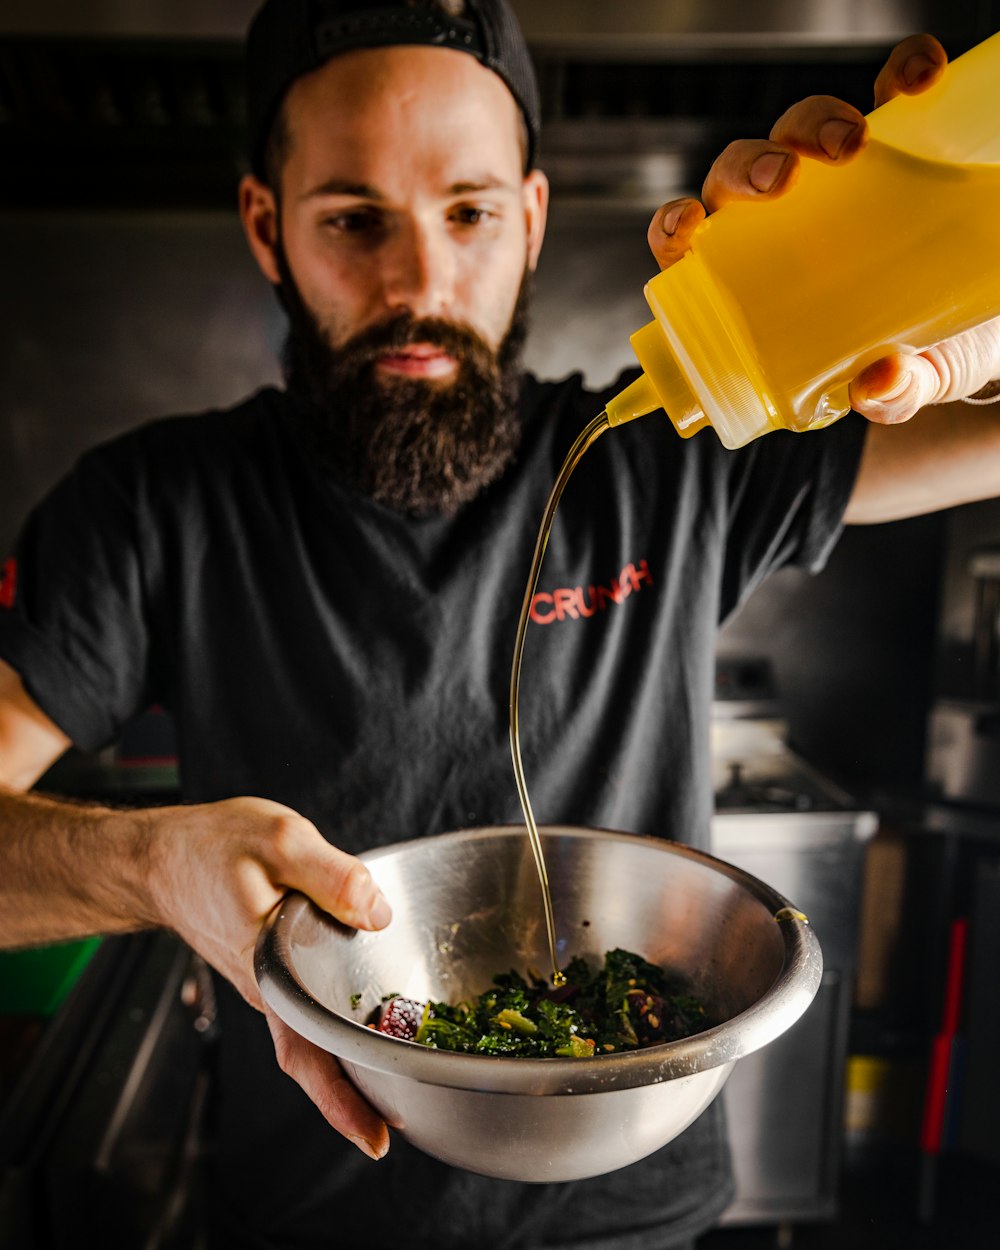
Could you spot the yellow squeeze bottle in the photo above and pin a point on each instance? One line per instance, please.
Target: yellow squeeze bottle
(762, 325)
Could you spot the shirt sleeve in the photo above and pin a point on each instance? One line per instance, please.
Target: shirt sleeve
(778, 501)
(73, 622)
(785, 499)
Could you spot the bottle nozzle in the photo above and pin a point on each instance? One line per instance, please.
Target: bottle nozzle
(634, 401)
(661, 386)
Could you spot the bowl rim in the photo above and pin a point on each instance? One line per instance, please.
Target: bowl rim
(355, 1043)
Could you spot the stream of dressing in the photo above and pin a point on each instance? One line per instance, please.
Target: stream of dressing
(585, 439)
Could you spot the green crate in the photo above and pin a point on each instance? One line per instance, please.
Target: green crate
(36, 981)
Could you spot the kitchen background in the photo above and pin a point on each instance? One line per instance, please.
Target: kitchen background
(127, 292)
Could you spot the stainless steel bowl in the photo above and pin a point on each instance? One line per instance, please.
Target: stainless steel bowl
(467, 905)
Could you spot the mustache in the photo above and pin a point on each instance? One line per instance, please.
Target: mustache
(451, 337)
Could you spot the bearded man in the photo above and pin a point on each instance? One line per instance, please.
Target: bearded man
(322, 586)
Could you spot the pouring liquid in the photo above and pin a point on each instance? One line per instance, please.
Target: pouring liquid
(585, 439)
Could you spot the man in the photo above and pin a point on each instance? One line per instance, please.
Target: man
(322, 587)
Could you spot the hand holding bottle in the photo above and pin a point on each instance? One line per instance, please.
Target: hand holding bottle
(829, 131)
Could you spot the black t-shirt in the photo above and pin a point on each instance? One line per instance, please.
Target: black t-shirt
(317, 649)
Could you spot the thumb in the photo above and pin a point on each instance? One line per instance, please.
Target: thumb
(343, 886)
(895, 387)
(337, 882)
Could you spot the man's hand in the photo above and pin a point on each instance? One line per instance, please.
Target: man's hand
(212, 873)
(826, 129)
(216, 872)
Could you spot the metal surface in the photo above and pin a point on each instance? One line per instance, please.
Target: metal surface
(784, 1104)
(466, 905)
(754, 769)
(787, 823)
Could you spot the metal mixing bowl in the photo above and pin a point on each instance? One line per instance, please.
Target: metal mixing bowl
(467, 905)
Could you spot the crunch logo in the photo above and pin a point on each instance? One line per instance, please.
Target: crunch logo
(575, 602)
(8, 582)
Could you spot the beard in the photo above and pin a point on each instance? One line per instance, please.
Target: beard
(415, 445)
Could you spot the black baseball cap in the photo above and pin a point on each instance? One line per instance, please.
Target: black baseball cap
(288, 38)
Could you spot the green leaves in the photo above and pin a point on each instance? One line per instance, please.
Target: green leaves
(625, 1003)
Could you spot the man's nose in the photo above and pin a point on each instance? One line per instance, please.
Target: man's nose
(419, 272)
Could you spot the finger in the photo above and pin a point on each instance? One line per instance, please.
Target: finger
(894, 388)
(823, 128)
(967, 361)
(323, 1080)
(749, 169)
(671, 229)
(913, 66)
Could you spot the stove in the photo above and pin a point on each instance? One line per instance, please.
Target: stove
(755, 770)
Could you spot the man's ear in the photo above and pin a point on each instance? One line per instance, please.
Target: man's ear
(536, 208)
(259, 214)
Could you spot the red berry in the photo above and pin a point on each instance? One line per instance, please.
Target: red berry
(401, 1017)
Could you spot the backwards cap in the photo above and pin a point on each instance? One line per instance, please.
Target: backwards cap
(289, 38)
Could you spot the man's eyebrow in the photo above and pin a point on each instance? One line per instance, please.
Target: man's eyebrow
(487, 183)
(342, 186)
(364, 191)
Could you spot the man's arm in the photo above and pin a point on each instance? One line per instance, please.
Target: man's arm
(945, 456)
(949, 452)
(211, 872)
(52, 886)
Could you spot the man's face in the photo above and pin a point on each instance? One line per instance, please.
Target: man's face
(401, 203)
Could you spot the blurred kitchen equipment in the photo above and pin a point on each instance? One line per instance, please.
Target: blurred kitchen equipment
(466, 907)
(783, 820)
(984, 568)
(956, 830)
(944, 1073)
(103, 1102)
(964, 747)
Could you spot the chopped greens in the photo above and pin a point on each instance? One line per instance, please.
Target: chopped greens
(624, 1004)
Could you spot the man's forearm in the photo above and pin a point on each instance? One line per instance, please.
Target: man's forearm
(946, 456)
(68, 870)
(210, 872)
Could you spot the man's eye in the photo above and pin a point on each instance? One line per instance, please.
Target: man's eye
(471, 215)
(357, 221)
